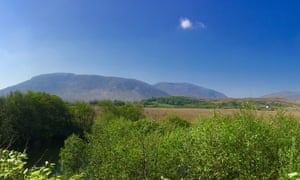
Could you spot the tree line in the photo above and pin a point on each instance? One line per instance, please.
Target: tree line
(189, 102)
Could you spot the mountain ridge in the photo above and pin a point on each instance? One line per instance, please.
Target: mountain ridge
(83, 87)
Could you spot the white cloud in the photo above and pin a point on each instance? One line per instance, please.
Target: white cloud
(185, 23)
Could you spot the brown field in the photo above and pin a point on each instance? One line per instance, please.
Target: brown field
(193, 113)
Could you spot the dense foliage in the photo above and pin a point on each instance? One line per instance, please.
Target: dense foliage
(40, 122)
(33, 118)
(122, 144)
(116, 109)
(238, 146)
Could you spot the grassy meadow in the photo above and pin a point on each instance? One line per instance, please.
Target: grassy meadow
(191, 114)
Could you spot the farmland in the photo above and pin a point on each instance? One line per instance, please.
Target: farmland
(187, 113)
(192, 108)
(191, 114)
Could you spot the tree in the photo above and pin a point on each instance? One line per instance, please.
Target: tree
(83, 116)
(36, 118)
(35, 121)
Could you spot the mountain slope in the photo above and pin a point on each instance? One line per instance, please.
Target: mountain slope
(73, 87)
(188, 90)
(286, 95)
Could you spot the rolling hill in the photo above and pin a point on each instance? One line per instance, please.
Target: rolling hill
(292, 95)
(72, 87)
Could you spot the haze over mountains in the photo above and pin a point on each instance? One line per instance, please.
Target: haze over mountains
(188, 90)
(72, 87)
(292, 95)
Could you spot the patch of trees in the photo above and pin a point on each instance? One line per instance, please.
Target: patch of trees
(117, 109)
(188, 102)
(177, 101)
(37, 122)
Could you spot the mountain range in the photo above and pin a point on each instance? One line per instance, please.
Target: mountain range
(72, 87)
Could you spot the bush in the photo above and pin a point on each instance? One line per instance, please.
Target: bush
(172, 122)
(73, 156)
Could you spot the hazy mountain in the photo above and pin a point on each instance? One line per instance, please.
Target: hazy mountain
(188, 90)
(285, 94)
(73, 87)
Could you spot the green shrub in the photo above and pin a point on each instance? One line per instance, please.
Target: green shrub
(73, 156)
(172, 122)
(12, 166)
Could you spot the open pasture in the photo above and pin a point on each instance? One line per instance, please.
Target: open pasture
(193, 113)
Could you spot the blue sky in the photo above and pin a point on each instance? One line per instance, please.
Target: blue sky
(241, 48)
